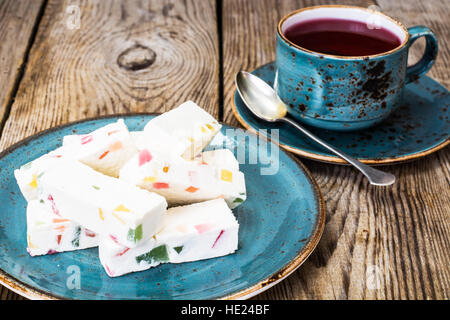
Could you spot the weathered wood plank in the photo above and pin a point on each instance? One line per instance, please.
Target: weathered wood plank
(6, 294)
(397, 235)
(249, 29)
(126, 56)
(433, 14)
(17, 21)
(17, 24)
(131, 56)
(400, 232)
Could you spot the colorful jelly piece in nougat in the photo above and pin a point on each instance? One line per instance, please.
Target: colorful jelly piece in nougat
(190, 233)
(75, 138)
(48, 233)
(27, 175)
(105, 205)
(214, 174)
(184, 131)
(106, 149)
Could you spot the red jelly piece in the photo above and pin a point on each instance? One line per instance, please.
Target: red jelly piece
(108, 271)
(160, 185)
(52, 201)
(114, 238)
(86, 139)
(123, 252)
(218, 237)
(144, 157)
(89, 233)
(202, 227)
(104, 154)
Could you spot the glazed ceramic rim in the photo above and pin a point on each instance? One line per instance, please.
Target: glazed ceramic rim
(30, 292)
(301, 256)
(334, 159)
(293, 13)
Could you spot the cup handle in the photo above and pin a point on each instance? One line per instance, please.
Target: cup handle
(426, 62)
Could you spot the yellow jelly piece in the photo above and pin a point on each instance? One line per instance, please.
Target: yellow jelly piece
(165, 169)
(149, 179)
(118, 218)
(203, 129)
(30, 244)
(226, 175)
(33, 183)
(210, 127)
(100, 213)
(122, 208)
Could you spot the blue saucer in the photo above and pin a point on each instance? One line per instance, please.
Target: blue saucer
(281, 222)
(420, 126)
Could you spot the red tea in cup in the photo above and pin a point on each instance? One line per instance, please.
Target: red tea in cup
(341, 37)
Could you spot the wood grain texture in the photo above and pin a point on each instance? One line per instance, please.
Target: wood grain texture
(126, 56)
(6, 294)
(17, 21)
(433, 14)
(378, 243)
(249, 29)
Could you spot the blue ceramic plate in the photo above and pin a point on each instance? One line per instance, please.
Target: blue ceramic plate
(280, 224)
(420, 126)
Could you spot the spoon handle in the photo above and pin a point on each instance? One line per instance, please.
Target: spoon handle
(375, 176)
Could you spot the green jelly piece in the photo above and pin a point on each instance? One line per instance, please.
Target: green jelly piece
(76, 240)
(27, 165)
(135, 234)
(96, 188)
(41, 201)
(158, 254)
(178, 249)
(238, 200)
(40, 174)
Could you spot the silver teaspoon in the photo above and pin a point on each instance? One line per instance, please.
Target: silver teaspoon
(265, 104)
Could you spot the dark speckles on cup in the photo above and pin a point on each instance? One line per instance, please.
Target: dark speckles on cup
(363, 90)
(419, 126)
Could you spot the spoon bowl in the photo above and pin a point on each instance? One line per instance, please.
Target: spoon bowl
(259, 97)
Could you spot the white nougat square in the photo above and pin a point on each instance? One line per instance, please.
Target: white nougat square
(28, 174)
(106, 149)
(214, 174)
(48, 233)
(75, 138)
(190, 233)
(184, 131)
(105, 205)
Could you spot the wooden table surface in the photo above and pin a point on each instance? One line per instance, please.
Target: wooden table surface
(151, 55)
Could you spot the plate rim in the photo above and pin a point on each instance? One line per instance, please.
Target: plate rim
(33, 293)
(335, 159)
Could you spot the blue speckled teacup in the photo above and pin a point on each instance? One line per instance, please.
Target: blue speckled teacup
(347, 93)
